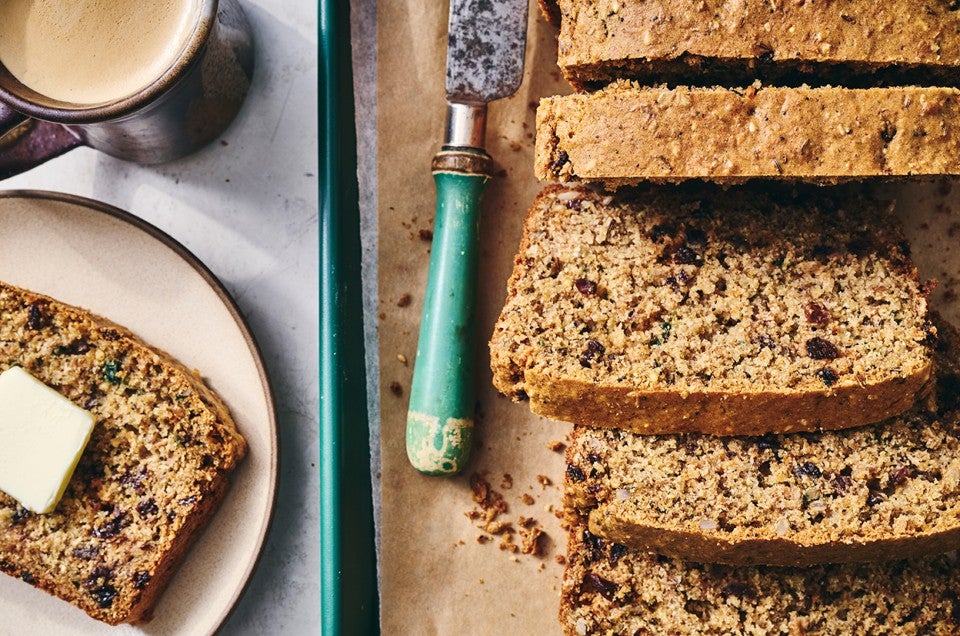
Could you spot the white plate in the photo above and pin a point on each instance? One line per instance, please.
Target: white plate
(92, 255)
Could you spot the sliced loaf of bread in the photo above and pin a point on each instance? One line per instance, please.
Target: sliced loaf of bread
(610, 589)
(732, 312)
(718, 42)
(625, 134)
(880, 492)
(153, 473)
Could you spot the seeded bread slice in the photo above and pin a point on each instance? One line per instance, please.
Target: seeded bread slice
(729, 43)
(625, 134)
(611, 589)
(732, 312)
(153, 473)
(881, 492)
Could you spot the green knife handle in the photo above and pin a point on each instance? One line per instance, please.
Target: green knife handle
(441, 411)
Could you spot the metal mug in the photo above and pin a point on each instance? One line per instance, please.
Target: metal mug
(188, 106)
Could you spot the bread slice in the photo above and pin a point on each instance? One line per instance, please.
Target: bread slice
(731, 43)
(625, 134)
(881, 492)
(733, 312)
(611, 589)
(155, 468)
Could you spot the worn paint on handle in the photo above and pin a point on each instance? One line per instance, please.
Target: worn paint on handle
(435, 447)
(442, 396)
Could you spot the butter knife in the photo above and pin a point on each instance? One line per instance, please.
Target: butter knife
(486, 41)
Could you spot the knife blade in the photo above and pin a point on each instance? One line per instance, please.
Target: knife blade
(486, 42)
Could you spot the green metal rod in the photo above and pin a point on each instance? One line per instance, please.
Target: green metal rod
(330, 393)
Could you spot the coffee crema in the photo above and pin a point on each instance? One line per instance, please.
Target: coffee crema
(93, 51)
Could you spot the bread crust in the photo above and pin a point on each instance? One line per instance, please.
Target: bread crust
(723, 412)
(625, 134)
(775, 551)
(723, 42)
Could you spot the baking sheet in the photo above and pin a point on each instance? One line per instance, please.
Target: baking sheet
(441, 572)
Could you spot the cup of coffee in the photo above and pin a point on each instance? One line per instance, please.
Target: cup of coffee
(143, 81)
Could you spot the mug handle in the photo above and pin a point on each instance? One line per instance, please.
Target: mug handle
(26, 143)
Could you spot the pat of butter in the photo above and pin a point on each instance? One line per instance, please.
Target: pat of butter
(42, 435)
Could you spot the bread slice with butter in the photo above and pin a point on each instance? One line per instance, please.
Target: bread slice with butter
(155, 468)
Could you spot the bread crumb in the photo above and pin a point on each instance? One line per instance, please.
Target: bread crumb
(425, 234)
(949, 295)
(402, 359)
(508, 545)
(561, 559)
(404, 300)
(487, 517)
(556, 446)
(544, 481)
(488, 498)
(531, 541)
(498, 527)
(396, 388)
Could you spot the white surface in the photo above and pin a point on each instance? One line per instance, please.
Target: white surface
(248, 210)
(42, 435)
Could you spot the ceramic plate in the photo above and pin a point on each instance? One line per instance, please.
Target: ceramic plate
(88, 254)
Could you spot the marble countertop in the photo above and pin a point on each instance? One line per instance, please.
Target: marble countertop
(247, 207)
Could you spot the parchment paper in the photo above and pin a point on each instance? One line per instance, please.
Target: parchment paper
(435, 576)
(440, 572)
